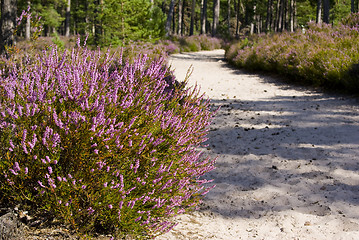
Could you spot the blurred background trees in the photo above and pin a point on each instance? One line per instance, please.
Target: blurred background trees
(115, 22)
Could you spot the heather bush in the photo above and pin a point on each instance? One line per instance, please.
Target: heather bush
(322, 56)
(102, 143)
(352, 20)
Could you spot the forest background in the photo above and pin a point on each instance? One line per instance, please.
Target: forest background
(116, 22)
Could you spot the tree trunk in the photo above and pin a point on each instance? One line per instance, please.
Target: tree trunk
(292, 15)
(254, 19)
(216, 7)
(326, 8)
(280, 16)
(295, 15)
(319, 11)
(203, 16)
(284, 15)
(7, 23)
(269, 14)
(28, 24)
(67, 19)
(229, 17)
(174, 20)
(238, 6)
(169, 18)
(277, 17)
(183, 18)
(97, 26)
(193, 12)
(180, 13)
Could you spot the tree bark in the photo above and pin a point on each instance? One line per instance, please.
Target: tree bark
(180, 13)
(193, 12)
(326, 8)
(229, 17)
(284, 15)
(292, 15)
(203, 16)
(319, 11)
(269, 14)
(216, 8)
(67, 19)
(97, 26)
(236, 7)
(254, 20)
(278, 18)
(169, 18)
(7, 24)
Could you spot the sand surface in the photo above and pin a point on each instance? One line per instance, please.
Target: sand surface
(288, 158)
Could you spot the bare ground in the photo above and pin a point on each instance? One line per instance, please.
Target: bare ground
(288, 158)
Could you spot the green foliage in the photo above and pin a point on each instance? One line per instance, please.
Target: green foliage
(58, 42)
(118, 22)
(340, 10)
(306, 12)
(49, 16)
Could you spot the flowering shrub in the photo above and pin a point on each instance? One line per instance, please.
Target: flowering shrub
(352, 20)
(103, 144)
(322, 56)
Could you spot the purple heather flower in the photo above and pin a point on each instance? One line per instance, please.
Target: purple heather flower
(13, 172)
(110, 206)
(40, 183)
(90, 210)
(16, 167)
(11, 144)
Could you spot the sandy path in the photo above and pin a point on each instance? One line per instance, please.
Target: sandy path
(288, 158)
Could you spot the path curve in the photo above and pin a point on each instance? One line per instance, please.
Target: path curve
(288, 158)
